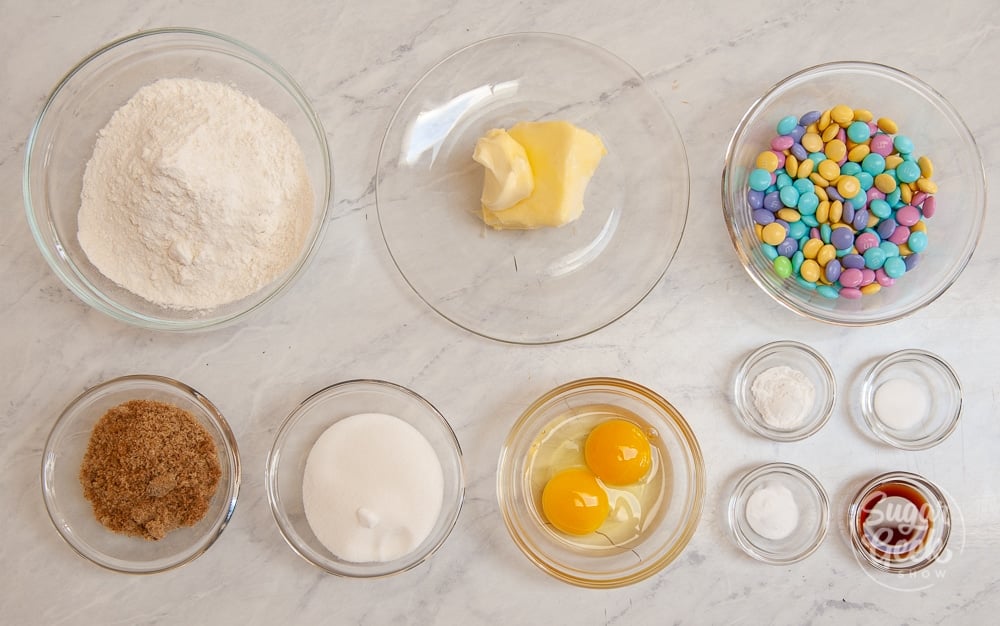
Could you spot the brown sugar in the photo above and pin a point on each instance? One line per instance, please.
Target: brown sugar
(150, 468)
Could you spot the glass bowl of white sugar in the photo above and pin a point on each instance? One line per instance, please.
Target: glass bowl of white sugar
(911, 399)
(177, 179)
(785, 391)
(365, 479)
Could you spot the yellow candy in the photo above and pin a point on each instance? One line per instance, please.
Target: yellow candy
(831, 132)
(805, 169)
(886, 125)
(871, 288)
(848, 186)
(904, 250)
(858, 153)
(826, 254)
(820, 190)
(926, 185)
(812, 142)
(823, 210)
(820, 182)
(919, 227)
(905, 193)
(812, 128)
(863, 115)
(836, 150)
(773, 233)
(842, 114)
(893, 161)
(811, 248)
(791, 165)
(873, 220)
(885, 183)
(824, 121)
(836, 211)
(829, 169)
(789, 215)
(767, 160)
(926, 167)
(759, 230)
(810, 270)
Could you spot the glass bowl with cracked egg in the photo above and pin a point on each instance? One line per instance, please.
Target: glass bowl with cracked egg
(73, 515)
(63, 137)
(936, 130)
(573, 496)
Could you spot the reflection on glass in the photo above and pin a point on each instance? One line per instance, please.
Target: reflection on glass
(578, 258)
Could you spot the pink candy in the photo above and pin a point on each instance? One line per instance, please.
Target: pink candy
(864, 241)
(930, 206)
(850, 278)
(851, 293)
(884, 279)
(908, 215)
(881, 144)
(900, 235)
(782, 142)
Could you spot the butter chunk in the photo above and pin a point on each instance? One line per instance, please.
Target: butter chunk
(507, 177)
(563, 159)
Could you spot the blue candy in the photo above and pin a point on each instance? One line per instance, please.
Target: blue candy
(902, 144)
(797, 230)
(804, 185)
(784, 180)
(828, 291)
(908, 171)
(881, 210)
(889, 248)
(874, 258)
(874, 164)
(759, 179)
(769, 251)
(858, 132)
(789, 196)
(787, 125)
(917, 241)
(808, 202)
(894, 267)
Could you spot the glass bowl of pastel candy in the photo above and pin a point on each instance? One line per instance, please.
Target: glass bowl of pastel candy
(854, 193)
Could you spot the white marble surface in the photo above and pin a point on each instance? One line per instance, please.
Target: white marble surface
(352, 316)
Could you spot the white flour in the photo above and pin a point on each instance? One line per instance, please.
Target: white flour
(783, 396)
(195, 196)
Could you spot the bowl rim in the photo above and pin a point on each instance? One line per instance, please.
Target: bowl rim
(948, 376)
(274, 457)
(230, 449)
(978, 175)
(635, 75)
(697, 477)
(740, 382)
(96, 298)
(807, 478)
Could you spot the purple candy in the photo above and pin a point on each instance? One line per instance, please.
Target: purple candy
(832, 270)
(797, 132)
(842, 238)
(900, 235)
(850, 293)
(851, 277)
(809, 118)
(788, 247)
(763, 216)
(783, 223)
(886, 227)
(781, 142)
(860, 219)
(854, 261)
(755, 199)
(864, 241)
(930, 206)
(772, 202)
(848, 214)
(832, 192)
(911, 261)
(800, 153)
(881, 144)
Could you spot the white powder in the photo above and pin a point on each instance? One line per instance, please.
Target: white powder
(195, 196)
(372, 488)
(901, 404)
(772, 512)
(783, 396)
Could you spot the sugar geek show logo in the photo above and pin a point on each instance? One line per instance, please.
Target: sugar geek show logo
(906, 532)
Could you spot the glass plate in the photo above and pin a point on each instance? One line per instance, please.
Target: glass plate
(545, 285)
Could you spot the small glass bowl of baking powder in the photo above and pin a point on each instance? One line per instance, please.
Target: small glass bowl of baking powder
(73, 515)
(287, 471)
(62, 142)
(779, 513)
(785, 391)
(911, 399)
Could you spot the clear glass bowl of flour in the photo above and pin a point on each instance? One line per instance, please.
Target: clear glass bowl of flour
(63, 138)
(785, 391)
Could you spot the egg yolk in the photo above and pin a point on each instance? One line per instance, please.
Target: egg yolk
(618, 452)
(574, 502)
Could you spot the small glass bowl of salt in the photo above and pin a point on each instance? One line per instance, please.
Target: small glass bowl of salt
(785, 391)
(779, 513)
(911, 399)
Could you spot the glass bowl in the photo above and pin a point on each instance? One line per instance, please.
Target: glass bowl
(799, 357)
(295, 438)
(71, 512)
(911, 399)
(556, 424)
(813, 514)
(62, 141)
(551, 284)
(935, 129)
(899, 522)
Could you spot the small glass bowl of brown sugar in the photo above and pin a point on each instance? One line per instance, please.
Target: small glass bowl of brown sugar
(140, 474)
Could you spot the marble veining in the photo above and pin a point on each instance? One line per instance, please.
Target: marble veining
(352, 315)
